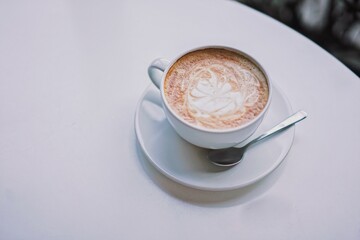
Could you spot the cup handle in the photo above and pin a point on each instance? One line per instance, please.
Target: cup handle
(156, 69)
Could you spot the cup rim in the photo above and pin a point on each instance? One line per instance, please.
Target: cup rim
(203, 129)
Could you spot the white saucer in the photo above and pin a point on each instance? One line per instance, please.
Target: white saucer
(188, 165)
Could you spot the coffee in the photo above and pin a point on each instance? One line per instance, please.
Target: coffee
(215, 88)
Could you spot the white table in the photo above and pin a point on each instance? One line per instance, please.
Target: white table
(71, 74)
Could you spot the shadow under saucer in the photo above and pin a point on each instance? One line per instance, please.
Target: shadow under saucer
(207, 198)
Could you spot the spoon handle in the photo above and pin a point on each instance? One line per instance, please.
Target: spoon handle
(300, 115)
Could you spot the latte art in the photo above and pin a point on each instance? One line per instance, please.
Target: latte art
(216, 88)
(221, 90)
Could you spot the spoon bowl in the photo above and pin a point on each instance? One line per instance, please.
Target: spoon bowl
(229, 157)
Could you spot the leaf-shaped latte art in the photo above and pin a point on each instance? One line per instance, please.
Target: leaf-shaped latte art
(220, 91)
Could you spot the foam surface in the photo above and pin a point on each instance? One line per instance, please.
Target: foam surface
(216, 88)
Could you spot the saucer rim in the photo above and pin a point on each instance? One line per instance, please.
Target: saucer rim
(280, 158)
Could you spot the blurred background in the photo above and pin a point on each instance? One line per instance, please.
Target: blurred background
(332, 24)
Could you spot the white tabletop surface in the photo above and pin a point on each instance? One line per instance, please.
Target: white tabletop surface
(71, 74)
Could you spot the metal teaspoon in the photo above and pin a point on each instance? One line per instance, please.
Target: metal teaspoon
(231, 156)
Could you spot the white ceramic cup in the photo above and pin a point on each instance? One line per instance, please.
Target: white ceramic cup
(205, 138)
